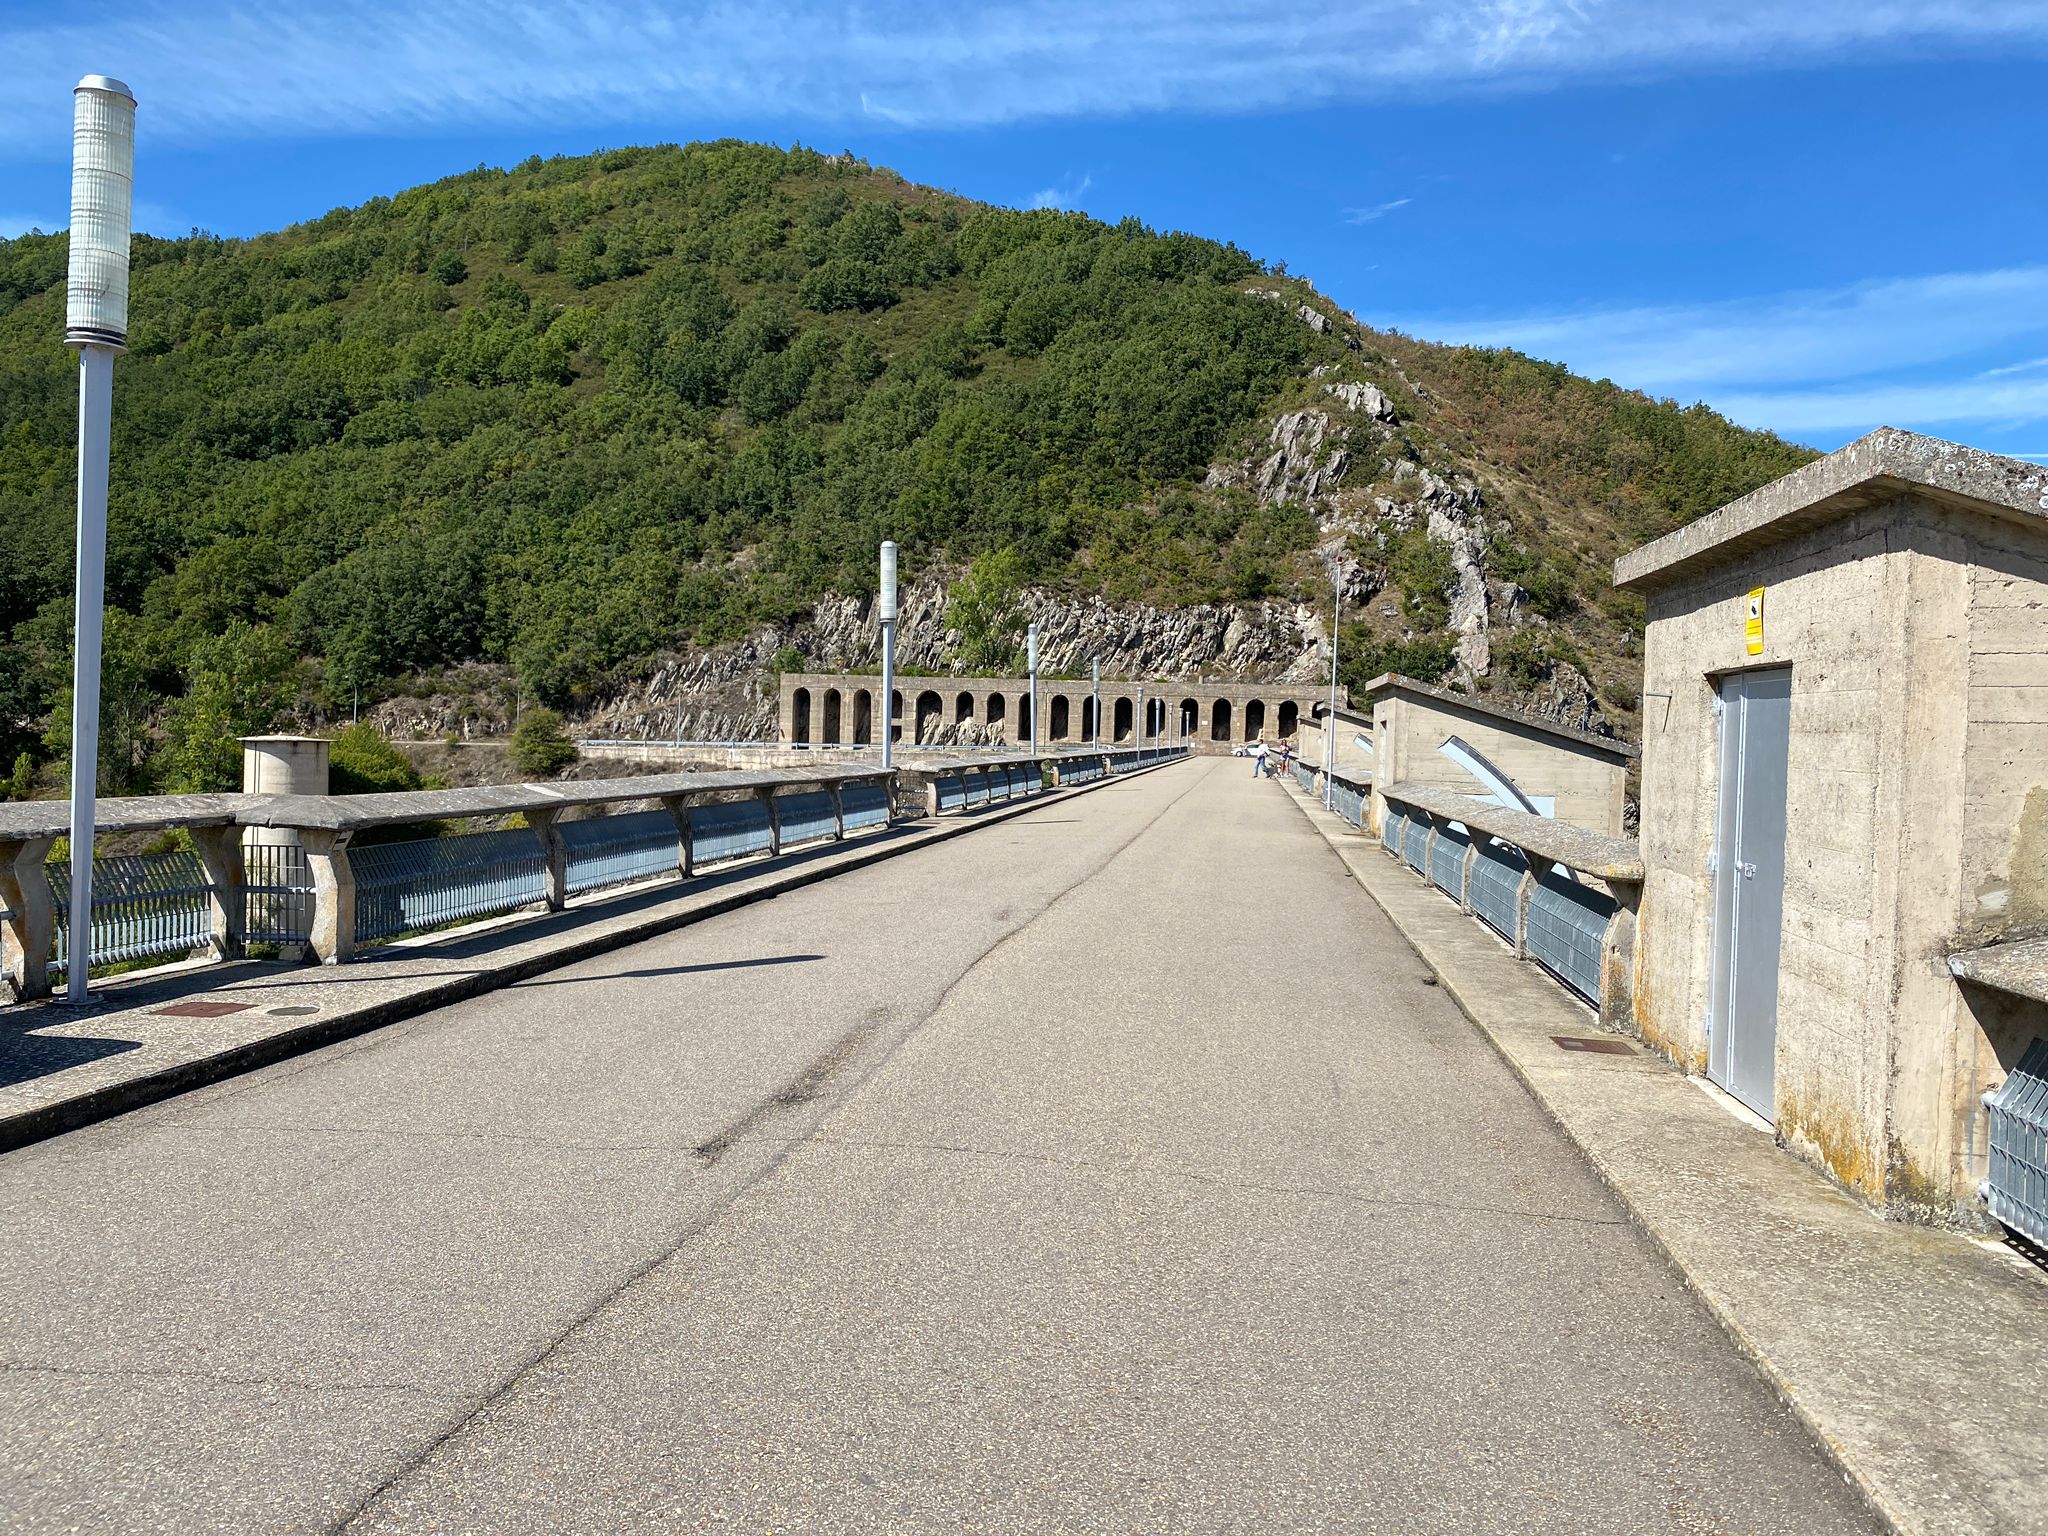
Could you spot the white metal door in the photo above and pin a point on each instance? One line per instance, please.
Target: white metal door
(1749, 885)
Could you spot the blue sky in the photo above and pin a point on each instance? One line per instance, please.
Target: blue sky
(1817, 217)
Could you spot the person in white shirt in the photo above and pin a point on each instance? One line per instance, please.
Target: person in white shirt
(1258, 759)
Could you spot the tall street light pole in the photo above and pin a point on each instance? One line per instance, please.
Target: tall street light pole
(96, 323)
(1330, 723)
(1031, 662)
(885, 610)
(1095, 707)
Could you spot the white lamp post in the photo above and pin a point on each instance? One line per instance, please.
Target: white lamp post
(1330, 725)
(885, 609)
(95, 322)
(1095, 708)
(1031, 662)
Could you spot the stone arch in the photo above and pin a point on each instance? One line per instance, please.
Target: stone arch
(1089, 730)
(1290, 718)
(931, 710)
(1219, 720)
(1190, 718)
(963, 709)
(1059, 718)
(800, 717)
(895, 714)
(863, 717)
(1254, 719)
(998, 710)
(1121, 718)
(830, 734)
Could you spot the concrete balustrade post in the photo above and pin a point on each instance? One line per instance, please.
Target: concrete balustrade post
(29, 938)
(1473, 840)
(333, 936)
(678, 808)
(838, 814)
(1618, 959)
(545, 826)
(1534, 868)
(767, 799)
(220, 855)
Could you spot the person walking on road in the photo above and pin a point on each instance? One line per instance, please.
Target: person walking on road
(1259, 760)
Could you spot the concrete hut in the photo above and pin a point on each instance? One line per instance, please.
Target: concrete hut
(1845, 805)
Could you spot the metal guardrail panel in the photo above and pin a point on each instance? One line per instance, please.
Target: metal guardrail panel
(731, 829)
(620, 850)
(806, 817)
(1496, 886)
(865, 805)
(428, 883)
(1393, 828)
(142, 905)
(2016, 1189)
(952, 790)
(1447, 861)
(1415, 843)
(1567, 927)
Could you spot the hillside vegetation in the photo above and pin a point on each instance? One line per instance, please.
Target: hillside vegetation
(568, 416)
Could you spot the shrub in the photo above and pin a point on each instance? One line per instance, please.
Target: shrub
(362, 761)
(539, 744)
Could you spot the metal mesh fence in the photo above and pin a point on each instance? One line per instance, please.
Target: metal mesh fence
(143, 904)
(605, 851)
(2016, 1189)
(1567, 927)
(1496, 884)
(413, 886)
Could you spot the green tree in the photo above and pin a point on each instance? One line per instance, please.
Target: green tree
(241, 681)
(362, 761)
(982, 608)
(540, 746)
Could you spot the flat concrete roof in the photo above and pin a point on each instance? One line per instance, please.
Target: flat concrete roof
(1394, 682)
(1875, 468)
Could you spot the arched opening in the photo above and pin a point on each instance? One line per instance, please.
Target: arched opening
(1290, 718)
(931, 710)
(1058, 718)
(963, 709)
(1124, 714)
(1088, 730)
(863, 717)
(831, 731)
(998, 710)
(800, 717)
(1190, 719)
(1254, 719)
(895, 714)
(1027, 725)
(1219, 721)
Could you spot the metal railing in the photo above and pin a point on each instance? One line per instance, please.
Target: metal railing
(1562, 896)
(2015, 1189)
(286, 869)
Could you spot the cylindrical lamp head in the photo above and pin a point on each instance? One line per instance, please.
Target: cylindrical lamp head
(1031, 646)
(102, 211)
(886, 608)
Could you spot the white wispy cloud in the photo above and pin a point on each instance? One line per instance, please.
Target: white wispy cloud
(215, 72)
(1064, 196)
(1914, 351)
(1376, 211)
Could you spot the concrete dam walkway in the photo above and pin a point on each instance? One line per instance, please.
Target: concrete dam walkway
(1113, 1168)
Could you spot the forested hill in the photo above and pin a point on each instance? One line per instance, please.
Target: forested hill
(568, 417)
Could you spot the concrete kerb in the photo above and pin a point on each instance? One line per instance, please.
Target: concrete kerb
(1911, 1499)
(22, 1128)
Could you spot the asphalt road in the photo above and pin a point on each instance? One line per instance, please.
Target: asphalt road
(1112, 1169)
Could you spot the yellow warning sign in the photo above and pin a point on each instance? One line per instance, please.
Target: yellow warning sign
(1753, 625)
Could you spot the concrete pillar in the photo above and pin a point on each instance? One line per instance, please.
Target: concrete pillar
(29, 937)
(220, 854)
(838, 813)
(279, 765)
(678, 808)
(544, 824)
(1618, 959)
(333, 924)
(767, 799)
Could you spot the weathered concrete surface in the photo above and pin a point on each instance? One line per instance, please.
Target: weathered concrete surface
(1595, 853)
(2019, 969)
(1918, 1356)
(1115, 1168)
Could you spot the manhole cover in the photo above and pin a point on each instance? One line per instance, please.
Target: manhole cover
(280, 1013)
(203, 1010)
(1598, 1047)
